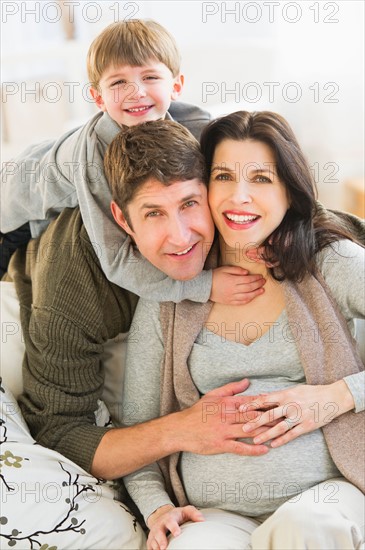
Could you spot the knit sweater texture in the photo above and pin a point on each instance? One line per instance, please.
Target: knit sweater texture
(68, 312)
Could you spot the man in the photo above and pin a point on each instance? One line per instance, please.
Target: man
(69, 309)
(69, 312)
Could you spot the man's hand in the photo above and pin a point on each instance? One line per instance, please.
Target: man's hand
(233, 286)
(296, 411)
(168, 519)
(214, 424)
(211, 426)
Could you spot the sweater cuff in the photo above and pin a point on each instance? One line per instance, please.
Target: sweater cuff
(80, 444)
(149, 494)
(197, 289)
(356, 385)
(153, 505)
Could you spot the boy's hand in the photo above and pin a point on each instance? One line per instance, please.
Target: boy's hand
(168, 519)
(233, 286)
(256, 255)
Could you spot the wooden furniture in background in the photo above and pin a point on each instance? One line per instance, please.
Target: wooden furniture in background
(354, 196)
(68, 25)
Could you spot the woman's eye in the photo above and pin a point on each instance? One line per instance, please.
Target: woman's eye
(223, 177)
(263, 179)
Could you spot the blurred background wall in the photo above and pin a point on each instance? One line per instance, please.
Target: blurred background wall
(303, 59)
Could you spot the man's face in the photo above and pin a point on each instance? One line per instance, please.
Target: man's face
(171, 226)
(132, 95)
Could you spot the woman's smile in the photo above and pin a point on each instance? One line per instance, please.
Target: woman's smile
(238, 221)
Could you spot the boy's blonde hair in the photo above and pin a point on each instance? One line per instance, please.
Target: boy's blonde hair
(132, 42)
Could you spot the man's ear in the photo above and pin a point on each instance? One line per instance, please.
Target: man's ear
(119, 217)
(177, 86)
(97, 97)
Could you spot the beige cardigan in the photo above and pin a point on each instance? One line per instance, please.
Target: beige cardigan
(310, 306)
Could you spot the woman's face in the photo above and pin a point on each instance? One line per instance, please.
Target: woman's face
(247, 199)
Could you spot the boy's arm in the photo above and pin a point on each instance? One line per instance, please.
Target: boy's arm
(35, 186)
(126, 267)
(39, 183)
(192, 117)
(17, 176)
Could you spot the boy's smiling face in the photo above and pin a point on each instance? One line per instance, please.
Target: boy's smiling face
(131, 95)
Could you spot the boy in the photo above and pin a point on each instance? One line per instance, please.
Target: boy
(134, 71)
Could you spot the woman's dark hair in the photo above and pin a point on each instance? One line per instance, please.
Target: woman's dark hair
(307, 227)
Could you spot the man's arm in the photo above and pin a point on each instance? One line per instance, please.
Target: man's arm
(68, 311)
(211, 426)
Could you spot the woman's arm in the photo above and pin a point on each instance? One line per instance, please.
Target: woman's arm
(141, 399)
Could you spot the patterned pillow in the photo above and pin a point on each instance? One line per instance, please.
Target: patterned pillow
(49, 502)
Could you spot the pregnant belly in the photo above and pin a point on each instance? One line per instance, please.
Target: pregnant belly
(254, 486)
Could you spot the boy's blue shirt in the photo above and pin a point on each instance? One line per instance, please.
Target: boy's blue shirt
(51, 176)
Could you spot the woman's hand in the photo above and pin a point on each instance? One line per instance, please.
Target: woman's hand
(299, 410)
(168, 519)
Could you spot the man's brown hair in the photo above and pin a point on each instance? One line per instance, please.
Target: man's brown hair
(133, 42)
(159, 150)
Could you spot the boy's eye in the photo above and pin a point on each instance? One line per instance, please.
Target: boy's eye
(151, 77)
(119, 82)
(152, 214)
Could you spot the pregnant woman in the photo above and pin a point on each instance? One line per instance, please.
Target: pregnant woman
(293, 343)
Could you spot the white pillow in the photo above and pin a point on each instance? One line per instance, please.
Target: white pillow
(12, 343)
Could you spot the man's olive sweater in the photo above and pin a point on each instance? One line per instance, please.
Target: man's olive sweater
(68, 311)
